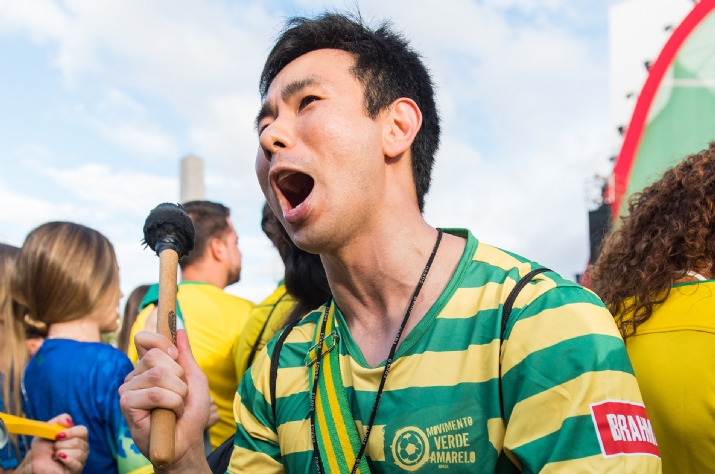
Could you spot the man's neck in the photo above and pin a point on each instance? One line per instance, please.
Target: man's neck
(204, 274)
(374, 278)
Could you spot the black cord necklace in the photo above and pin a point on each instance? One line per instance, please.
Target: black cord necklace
(388, 363)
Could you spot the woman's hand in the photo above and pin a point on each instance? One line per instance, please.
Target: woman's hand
(66, 455)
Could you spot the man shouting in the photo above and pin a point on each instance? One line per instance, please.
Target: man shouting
(411, 365)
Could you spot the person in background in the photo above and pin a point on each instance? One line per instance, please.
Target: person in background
(213, 319)
(67, 280)
(69, 452)
(131, 311)
(303, 288)
(656, 274)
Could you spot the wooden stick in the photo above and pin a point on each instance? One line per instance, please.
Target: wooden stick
(163, 421)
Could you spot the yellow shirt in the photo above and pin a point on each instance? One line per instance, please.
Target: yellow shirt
(272, 314)
(673, 355)
(214, 320)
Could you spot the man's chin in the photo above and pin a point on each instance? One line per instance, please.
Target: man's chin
(233, 278)
(310, 240)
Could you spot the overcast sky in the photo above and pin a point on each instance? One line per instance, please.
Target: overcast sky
(100, 100)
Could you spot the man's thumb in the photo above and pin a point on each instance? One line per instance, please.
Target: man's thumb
(186, 357)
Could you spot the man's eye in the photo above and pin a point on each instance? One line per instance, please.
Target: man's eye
(307, 101)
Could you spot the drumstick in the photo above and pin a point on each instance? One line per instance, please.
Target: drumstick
(170, 233)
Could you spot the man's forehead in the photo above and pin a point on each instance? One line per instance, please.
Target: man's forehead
(319, 66)
(322, 67)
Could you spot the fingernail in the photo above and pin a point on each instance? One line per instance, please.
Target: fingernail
(173, 353)
(62, 435)
(62, 455)
(69, 421)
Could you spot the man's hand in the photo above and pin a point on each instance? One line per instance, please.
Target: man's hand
(168, 377)
(66, 455)
(214, 416)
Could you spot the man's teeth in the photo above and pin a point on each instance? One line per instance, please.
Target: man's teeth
(284, 175)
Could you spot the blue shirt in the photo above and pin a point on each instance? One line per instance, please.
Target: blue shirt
(82, 379)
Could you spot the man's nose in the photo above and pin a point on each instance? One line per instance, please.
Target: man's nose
(275, 137)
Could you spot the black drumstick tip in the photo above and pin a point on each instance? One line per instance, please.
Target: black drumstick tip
(169, 226)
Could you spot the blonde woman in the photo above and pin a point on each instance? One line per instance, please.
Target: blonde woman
(69, 452)
(67, 279)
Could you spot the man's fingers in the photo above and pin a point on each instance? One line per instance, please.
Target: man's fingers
(159, 377)
(146, 341)
(147, 399)
(156, 358)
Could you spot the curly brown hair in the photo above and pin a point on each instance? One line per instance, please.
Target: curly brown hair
(669, 231)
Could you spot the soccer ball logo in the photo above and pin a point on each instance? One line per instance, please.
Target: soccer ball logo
(410, 448)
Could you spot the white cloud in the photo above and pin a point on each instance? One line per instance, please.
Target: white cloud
(137, 138)
(21, 213)
(110, 193)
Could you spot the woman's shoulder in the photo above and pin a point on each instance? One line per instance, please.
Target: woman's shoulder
(97, 356)
(107, 354)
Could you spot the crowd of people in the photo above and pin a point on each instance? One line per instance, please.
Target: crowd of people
(389, 345)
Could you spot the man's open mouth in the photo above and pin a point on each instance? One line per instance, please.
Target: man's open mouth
(295, 187)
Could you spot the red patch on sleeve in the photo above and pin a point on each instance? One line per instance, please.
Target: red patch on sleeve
(623, 429)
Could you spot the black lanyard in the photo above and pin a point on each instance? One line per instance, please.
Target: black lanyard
(388, 363)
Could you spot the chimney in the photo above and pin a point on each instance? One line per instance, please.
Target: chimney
(192, 179)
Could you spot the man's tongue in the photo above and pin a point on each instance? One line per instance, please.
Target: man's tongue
(296, 188)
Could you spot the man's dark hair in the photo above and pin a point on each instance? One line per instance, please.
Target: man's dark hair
(274, 230)
(385, 64)
(305, 277)
(210, 221)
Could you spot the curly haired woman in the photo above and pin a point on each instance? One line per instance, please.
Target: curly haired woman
(656, 274)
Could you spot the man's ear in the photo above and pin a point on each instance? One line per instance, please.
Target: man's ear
(401, 122)
(218, 249)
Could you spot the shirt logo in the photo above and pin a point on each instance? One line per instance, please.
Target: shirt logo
(410, 448)
(623, 429)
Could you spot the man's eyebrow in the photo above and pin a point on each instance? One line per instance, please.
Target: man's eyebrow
(292, 88)
(268, 108)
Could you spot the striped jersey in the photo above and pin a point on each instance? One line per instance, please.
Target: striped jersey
(571, 400)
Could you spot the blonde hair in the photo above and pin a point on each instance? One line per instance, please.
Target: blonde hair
(12, 336)
(65, 271)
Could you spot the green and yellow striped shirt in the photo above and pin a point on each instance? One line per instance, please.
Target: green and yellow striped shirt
(440, 407)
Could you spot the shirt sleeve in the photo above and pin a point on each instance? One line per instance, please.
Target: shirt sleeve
(566, 377)
(241, 324)
(256, 445)
(129, 459)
